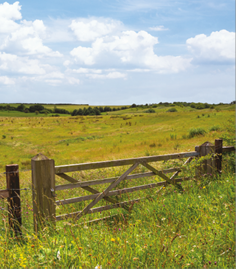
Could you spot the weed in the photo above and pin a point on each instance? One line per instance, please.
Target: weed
(196, 132)
(3, 136)
(153, 145)
(173, 136)
(214, 128)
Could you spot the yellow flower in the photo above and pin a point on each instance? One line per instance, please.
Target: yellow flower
(204, 187)
(113, 240)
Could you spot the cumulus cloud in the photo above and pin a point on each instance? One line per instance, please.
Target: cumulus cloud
(218, 47)
(130, 47)
(24, 37)
(16, 64)
(90, 29)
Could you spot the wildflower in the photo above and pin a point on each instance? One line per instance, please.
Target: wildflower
(58, 255)
(204, 187)
(215, 262)
(119, 229)
(113, 240)
(199, 196)
(32, 246)
(209, 262)
(98, 267)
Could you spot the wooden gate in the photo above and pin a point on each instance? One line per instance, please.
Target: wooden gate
(44, 188)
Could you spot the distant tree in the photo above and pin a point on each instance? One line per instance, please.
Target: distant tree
(21, 108)
(33, 108)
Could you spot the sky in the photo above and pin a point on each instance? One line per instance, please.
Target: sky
(119, 52)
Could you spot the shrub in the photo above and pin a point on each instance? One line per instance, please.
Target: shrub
(150, 110)
(214, 128)
(196, 132)
(172, 110)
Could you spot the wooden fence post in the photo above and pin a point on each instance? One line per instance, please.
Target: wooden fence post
(43, 188)
(218, 151)
(207, 166)
(14, 203)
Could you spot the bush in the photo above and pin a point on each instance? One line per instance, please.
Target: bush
(172, 110)
(214, 128)
(150, 110)
(196, 132)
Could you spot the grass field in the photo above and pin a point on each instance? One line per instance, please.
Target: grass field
(172, 229)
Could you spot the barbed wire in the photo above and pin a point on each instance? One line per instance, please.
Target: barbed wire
(17, 171)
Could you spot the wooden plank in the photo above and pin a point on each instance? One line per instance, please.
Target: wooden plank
(104, 164)
(218, 152)
(154, 170)
(87, 188)
(109, 180)
(177, 172)
(104, 193)
(228, 149)
(14, 202)
(43, 186)
(4, 194)
(207, 166)
(118, 192)
(95, 210)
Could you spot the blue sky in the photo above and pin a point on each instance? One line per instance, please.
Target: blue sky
(104, 52)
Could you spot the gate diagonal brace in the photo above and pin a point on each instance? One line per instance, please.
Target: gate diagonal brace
(162, 175)
(87, 188)
(107, 190)
(186, 162)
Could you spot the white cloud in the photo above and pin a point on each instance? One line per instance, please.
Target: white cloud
(73, 81)
(90, 29)
(87, 70)
(219, 46)
(138, 70)
(16, 64)
(10, 12)
(111, 75)
(6, 80)
(129, 48)
(158, 28)
(25, 37)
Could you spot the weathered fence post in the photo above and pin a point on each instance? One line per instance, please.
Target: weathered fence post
(14, 203)
(207, 166)
(218, 151)
(43, 188)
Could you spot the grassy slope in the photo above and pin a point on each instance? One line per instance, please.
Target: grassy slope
(80, 139)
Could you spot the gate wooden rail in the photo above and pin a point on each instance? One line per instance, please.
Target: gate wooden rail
(44, 188)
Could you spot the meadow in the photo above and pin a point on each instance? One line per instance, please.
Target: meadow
(169, 229)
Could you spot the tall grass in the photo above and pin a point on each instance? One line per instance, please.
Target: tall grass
(196, 132)
(172, 229)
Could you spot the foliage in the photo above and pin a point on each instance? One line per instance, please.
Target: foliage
(150, 110)
(172, 110)
(196, 132)
(214, 128)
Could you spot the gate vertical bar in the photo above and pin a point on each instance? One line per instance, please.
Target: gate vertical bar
(43, 186)
(14, 203)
